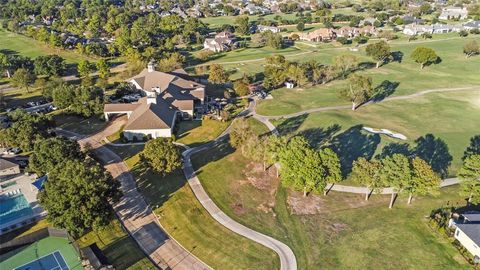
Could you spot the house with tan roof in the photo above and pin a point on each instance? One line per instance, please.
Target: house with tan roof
(318, 35)
(167, 99)
(222, 41)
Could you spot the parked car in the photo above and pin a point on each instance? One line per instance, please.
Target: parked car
(12, 151)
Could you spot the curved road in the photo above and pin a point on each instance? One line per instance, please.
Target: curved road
(134, 213)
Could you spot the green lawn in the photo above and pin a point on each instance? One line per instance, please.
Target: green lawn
(344, 233)
(451, 116)
(197, 132)
(120, 250)
(25, 46)
(453, 71)
(188, 222)
(19, 97)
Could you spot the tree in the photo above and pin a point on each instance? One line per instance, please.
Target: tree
(273, 40)
(396, 173)
(274, 71)
(367, 173)
(240, 133)
(296, 73)
(103, 69)
(424, 180)
(77, 196)
(379, 51)
(345, 63)
(26, 129)
(301, 26)
(471, 48)
(242, 26)
(463, 33)
(217, 74)
(174, 61)
(84, 68)
(424, 56)
(82, 100)
(49, 65)
(359, 90)
(23, 78)
(331, 164)
(51, 153)
(241, 88)
(470, 175)
(162, 155)
(473, 148)
(301, 167)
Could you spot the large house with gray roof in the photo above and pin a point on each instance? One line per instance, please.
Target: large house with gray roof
(168, 97)
(467, 232)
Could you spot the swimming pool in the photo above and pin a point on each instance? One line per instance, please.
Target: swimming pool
(14, 207)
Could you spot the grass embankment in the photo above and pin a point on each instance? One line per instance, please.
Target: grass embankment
(345, 233)
(78, 124)
(196, 132)
(188, 222)
(452, 117)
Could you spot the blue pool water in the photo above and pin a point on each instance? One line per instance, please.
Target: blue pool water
(14, 207)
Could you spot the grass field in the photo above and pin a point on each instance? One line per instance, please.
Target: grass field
(345, 232)
(120, 250)
(188, 222)
(39, 249)
(18, 44)
(197, 132)
(78, 124)
(453, 117)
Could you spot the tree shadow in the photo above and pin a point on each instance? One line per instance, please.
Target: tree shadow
(290, 125)
(213, 154)
(366, 65)
(8, 52)
(473, 148)
(435, 152)
(395, 148)
(397, 56)
(317, 137)
(352, 144)
(384, 89)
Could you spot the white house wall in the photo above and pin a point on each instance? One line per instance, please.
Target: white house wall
(154, 133)
(467, 242)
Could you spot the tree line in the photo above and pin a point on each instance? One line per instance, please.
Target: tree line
(307, 169)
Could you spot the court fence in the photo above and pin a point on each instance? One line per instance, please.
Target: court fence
(89, 259)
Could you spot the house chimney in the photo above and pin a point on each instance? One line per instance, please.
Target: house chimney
(151, 66)
(152, 99)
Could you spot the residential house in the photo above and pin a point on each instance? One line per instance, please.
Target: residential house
(168, 97)
(8, 168)
(221, 42)
(414, 29)
(467, 232)
(368, 30)
(471, 25)
(368, 21)
(450, 13)
(409, 19)
(347, 31)
(318, 35)
(263, 28)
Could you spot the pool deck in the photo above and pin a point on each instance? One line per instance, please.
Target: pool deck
(23, 183)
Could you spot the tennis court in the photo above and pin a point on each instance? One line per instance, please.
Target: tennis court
(52, 261)
(51, 253)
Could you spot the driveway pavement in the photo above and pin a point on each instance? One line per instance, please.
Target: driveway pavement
(135, 214)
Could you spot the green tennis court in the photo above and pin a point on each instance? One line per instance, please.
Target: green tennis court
(51, 253)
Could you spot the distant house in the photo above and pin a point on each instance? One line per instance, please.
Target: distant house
(409, 19)
(467, 232)
(318, 35)
(8, 168)
(168, 97)
(347, 32)
(450, 13)
(415, 29)
(471, 25)
(369, 30)
(223, 41)
(264, 28)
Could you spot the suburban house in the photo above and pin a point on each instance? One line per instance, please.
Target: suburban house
(450, 13)
(264, 28)
(467, 232)
(348, 32)
(471, 25)
(8, 168)
(167, 98)
(222, 41)
(318, 35)
(415, 29)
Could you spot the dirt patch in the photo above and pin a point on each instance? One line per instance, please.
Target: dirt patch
(264, 180)
(238, 208)
(333, 202)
